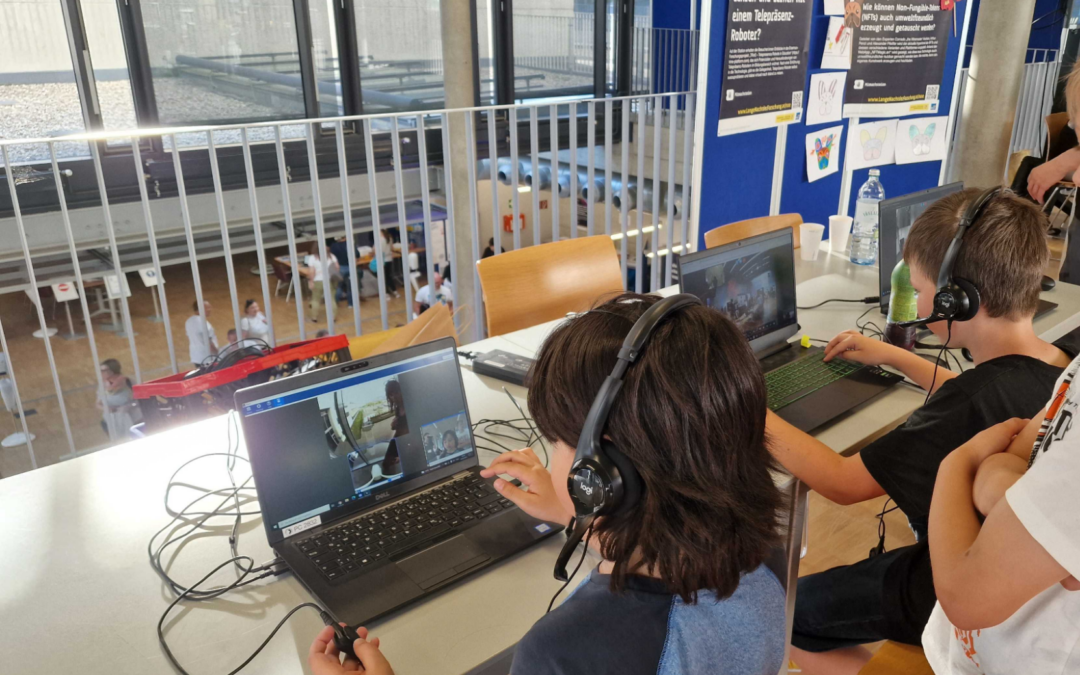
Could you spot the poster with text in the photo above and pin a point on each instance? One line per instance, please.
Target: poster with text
(766, 52)
(899, 57)
(872, 144)
(823, 153)
(921, 140)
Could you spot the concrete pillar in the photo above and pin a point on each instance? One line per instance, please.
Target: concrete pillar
(459, 73)
(989, 105)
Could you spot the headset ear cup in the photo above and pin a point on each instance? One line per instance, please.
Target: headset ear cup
(969, 299)
(631, 479)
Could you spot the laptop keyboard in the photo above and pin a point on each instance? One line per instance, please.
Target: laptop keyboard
(793, 381)
(346, 549)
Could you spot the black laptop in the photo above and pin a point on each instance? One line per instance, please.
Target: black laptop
(368, 481)
(752, 281)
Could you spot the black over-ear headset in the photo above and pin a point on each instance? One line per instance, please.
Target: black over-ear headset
(957, 299)
(602, 480)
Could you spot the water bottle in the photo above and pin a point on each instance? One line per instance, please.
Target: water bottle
(903, 306)
(864, 232)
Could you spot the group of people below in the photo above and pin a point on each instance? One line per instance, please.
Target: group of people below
(203, 342)
(985, 472)
(328, 264)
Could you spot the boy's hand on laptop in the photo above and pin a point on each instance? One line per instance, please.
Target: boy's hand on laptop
(854, 346)
(324, 657)
(540, 501)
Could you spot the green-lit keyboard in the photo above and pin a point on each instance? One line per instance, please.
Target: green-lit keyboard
(789, 383)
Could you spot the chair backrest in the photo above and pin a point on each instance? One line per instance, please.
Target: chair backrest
(281, 270)
(725, 234)
(540, 283)
(1054, 124)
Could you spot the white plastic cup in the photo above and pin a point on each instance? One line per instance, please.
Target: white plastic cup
(810, 235)
(839, 231)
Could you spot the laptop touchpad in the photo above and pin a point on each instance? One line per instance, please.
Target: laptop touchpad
(439, 563)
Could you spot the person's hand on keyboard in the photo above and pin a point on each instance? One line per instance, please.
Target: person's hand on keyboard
(853, 346)
(540, 501)
(324, 658)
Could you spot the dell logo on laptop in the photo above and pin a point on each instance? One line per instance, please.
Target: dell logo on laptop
(381, 496)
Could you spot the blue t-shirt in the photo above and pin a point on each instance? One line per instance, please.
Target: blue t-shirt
(645, 630)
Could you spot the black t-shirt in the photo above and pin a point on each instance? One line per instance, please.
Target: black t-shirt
(905, 461)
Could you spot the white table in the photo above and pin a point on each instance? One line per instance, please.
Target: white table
(77, 590)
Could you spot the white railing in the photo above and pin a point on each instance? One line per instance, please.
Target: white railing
(628, 180)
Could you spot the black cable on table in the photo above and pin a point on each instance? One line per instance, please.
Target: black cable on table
(866, 300)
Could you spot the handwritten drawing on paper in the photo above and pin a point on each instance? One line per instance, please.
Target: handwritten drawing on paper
(826, 97)
(837, 54)
(823, 153)
(921, 140)
(873, 144)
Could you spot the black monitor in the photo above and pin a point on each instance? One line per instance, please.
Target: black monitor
(752, 281)
(897, 216)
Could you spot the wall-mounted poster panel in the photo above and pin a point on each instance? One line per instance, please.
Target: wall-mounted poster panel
(767, 47)
(899, 57)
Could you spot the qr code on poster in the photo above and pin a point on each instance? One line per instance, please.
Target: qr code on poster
(796, 99)
(932, 92)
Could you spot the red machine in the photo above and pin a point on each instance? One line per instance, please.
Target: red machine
(181, 398)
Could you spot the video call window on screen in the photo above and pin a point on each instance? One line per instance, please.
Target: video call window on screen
(446, 440)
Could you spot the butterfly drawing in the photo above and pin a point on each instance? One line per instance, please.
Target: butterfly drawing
(872, 145)
(826, 95)
(920, 142)
(823, 149)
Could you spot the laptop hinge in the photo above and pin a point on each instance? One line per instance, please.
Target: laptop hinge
(775, 349)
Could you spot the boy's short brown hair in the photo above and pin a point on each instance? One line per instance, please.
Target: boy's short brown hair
(1004, 253)
(691, 418)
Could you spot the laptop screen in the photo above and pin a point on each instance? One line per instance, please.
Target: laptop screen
(751, 281)
(897, 215)
(328, 447)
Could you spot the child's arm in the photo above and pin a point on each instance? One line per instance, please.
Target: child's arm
(997, 473)
(856, 347)
(843, 480)
(969, 558)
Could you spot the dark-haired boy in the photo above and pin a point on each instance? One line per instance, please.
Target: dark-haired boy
(683, 587)
(891, 595)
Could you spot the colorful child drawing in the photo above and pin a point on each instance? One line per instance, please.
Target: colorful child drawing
(872, 145)
(823, 150)
(920, 141)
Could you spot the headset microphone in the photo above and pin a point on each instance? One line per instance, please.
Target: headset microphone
(602, 480)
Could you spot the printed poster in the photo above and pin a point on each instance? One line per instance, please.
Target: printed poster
(766, 53)
(898, 58)
(823, 153)
(872, 144)
(826, 98)
(921, 139)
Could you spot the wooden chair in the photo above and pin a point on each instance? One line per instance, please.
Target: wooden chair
(725, 234)
(895, 658)
(284, 278)
(532, 285)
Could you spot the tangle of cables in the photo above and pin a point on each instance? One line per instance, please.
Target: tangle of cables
(499, 436)
(192, 521)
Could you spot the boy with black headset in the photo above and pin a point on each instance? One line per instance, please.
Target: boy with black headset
(672, 486)
(993, 287)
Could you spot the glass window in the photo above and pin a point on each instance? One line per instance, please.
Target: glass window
(324, 49)
(400, 51)
(553, 48)
(38, 94)
(110, 64)
(222, 60)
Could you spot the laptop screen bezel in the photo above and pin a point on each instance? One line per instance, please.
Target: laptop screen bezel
(780, 335)
(890, 228)
(347, 369)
